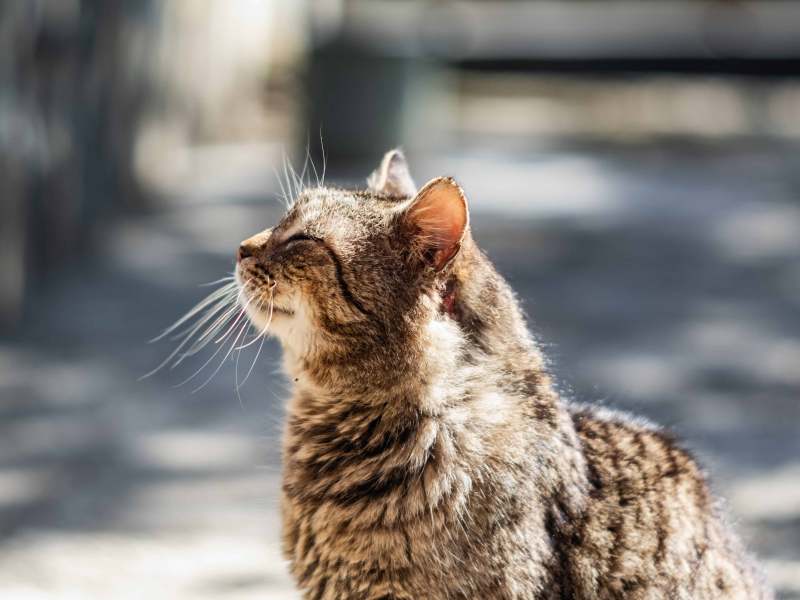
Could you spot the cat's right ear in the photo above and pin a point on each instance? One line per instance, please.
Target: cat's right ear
(392, 177)
(438, 218)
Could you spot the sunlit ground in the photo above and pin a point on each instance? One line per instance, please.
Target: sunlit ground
(662, 279)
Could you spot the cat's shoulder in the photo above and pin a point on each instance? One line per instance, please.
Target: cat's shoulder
(621, 435)
(587, 416)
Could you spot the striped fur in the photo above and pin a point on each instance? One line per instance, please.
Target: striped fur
(426, 453)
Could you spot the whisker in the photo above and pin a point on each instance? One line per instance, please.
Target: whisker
(224, 358)
(230, 277)
(210, 332)
(305, 160)
(188, 335)
(224, 337)
(210, 299)
(236, 378)
(313, 166)
(259, 306)
(236, 384)
(255, 360)
(285, 175)
(263, 337)
(200, 344)
(203, 366)
(284, 194)
(289, 179)
(269, 317)
(221, 321)
(238, 318)
(298, 179)
(324, 159)
(221, 305)
(178, 348)
(221, 318)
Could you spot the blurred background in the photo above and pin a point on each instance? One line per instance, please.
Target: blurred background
(632, 168)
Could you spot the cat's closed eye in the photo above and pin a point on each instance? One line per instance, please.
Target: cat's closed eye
(297, 238)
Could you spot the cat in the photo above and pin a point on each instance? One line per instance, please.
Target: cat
(427, 453)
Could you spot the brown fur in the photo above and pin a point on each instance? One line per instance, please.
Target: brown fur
(426, 452)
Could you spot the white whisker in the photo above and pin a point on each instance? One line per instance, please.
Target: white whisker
(244, 326)
(238, 318)
(285, 176)
(291, 181)
(263, 337)
(305, 162)
(188, 336)
(199, 345)
(210, 299)
(221, 305)
(324, 160)
(298, 179)
(311, 160)
(269, 317)
(236, 384)
(221, 280)
(241, 311)
(200, 370)
(284, 194)
(230, 306)
(221, 321)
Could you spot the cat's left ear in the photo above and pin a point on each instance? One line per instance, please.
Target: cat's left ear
(392, 177)
(439, 218)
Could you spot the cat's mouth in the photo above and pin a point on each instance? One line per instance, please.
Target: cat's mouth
(267, 308)
(257, 289)
(261, 305)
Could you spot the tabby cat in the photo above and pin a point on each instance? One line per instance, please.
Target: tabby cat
(427, 454)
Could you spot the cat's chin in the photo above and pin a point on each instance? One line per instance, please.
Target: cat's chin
(266, 321)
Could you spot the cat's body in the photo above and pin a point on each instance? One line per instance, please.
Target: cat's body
(426, 452)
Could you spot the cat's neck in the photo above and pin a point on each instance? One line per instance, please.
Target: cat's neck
(432, 371)
(410, 373)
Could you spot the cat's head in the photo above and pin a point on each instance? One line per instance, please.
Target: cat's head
(357, 273)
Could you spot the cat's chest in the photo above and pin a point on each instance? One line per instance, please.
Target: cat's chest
(331, 547)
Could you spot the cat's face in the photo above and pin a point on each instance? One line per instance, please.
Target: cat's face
(348, 264)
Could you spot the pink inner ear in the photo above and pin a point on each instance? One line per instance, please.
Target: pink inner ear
(440, 213)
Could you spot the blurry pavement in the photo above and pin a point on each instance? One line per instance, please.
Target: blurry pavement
(661, 279)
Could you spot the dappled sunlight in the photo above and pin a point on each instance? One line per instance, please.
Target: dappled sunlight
(785, 575)
(19, 486)
(736, 341)
(191, 450)
(759, 232)
(770, 496)
(642, 376)
(207, 565)
(536, 187)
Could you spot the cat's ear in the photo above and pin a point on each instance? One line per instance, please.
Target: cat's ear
(392, 177)
(438, 217)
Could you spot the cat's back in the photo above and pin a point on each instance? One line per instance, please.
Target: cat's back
(651, 528)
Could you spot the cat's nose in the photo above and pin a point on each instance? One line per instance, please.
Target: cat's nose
(253, 246)
(245, 251)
